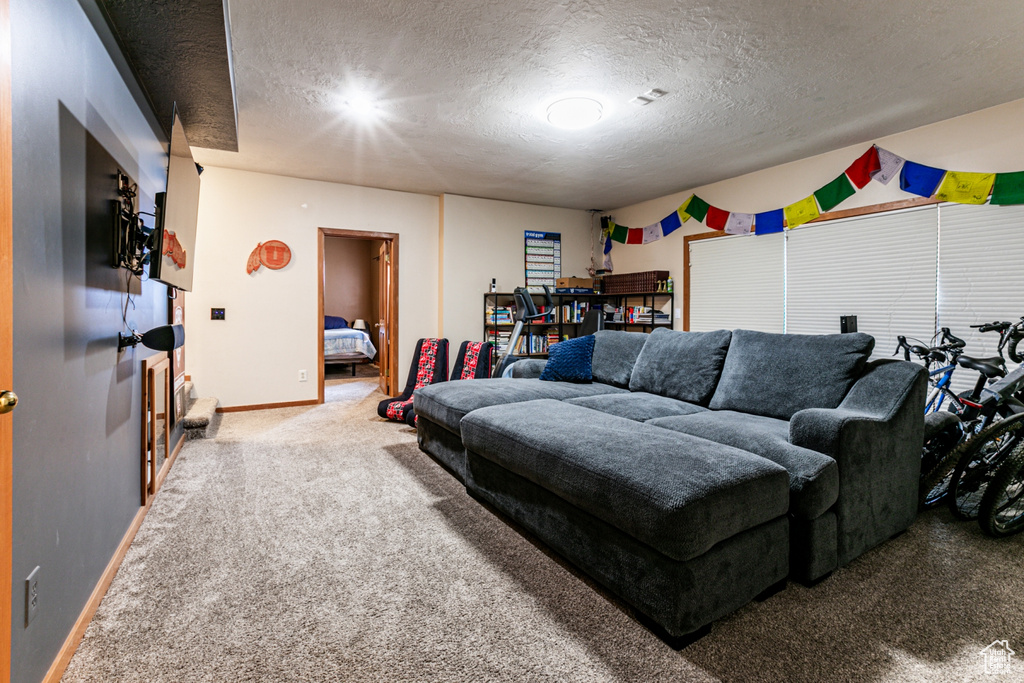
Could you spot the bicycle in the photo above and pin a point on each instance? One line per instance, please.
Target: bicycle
(980, 458)
(945, 355)
(943, 430)
(946, 433)
(1002, 505)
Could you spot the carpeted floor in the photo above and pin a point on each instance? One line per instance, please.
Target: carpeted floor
(320, 544)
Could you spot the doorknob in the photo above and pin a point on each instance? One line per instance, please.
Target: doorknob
(8, 401)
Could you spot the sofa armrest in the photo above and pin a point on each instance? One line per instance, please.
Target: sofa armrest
(528, 368)
(875, 436)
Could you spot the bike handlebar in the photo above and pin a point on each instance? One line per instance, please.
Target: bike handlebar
(953, 346)
(951, 339)
(993, 327)
(902, 345)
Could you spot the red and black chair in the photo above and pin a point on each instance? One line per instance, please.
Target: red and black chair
(473, 361)
(429, 365)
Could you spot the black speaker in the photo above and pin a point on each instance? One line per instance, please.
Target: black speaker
(165, 338)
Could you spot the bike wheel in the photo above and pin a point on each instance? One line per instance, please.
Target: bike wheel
(935, 484)
(942, 432)
(1002, 507)
(977, 460)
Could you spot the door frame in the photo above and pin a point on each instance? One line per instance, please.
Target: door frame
(6, 352)
(392, 322)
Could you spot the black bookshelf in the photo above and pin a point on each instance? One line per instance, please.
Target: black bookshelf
(499, 316)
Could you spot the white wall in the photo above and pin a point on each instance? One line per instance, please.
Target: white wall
(270, 328)
(270, 331)
(350, 278)
(483, 239)
(989, 140)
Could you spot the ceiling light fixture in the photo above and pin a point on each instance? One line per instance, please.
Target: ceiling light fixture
(573, 113)
(362, 107)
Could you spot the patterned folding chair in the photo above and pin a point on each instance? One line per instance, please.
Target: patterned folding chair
(429, 365)
(473, 361)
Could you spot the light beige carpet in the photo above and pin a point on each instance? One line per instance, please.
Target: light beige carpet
(319, 544)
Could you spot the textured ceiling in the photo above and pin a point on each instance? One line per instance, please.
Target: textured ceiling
(179, 51)
(751, 84)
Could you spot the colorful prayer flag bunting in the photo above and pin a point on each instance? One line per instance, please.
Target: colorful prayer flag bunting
(890, 166)
(863, 168)
(875, 164)
(739, 223)
(768, 222)
(920, 179)
(671, 223)
(716, 218)
(835, 192)
(965, 188)
(652, 233)
(801, 212)
(682, 210)
(1009, 188)
(697, 207)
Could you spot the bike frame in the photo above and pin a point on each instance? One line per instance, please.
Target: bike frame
(940, 387)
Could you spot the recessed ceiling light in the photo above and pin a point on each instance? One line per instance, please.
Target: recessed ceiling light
(573, 113)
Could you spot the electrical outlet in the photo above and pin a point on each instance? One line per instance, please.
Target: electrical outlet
(31, 596)
(302, 376)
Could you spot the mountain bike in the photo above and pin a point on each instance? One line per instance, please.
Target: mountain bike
(979, 459)
(946, 432)
(1002, 505)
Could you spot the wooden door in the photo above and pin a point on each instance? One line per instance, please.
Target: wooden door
(6, 339)
(384, 312)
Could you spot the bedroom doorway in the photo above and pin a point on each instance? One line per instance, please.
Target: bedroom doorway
(358, 307)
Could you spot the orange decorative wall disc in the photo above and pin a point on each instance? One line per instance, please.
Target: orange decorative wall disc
(274, 254)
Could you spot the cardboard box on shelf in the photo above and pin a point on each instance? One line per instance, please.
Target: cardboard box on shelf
(578, 282)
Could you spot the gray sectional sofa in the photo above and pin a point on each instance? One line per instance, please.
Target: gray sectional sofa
(698, 470)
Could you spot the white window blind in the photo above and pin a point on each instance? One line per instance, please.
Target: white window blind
(737, 282)
(881, 268)
(981, 275)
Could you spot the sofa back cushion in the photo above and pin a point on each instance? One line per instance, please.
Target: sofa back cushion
(681, 365)
(615, 352)
(776, 375)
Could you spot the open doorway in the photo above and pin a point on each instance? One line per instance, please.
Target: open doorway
(358, 284)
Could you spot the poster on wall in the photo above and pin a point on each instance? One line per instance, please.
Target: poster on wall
(543, 259)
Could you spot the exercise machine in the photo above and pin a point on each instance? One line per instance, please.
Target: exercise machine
(526, 312)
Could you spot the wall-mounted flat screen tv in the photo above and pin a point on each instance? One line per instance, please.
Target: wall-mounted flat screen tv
(177, 212)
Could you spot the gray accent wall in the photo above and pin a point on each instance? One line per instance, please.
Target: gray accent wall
(77, 430)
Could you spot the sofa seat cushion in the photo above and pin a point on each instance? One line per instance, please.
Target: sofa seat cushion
(681, 365)
(637, 405)
(447, 403)
(813, 477)
(677, 494)
(777, 375)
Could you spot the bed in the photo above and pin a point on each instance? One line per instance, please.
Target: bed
(346, 345)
